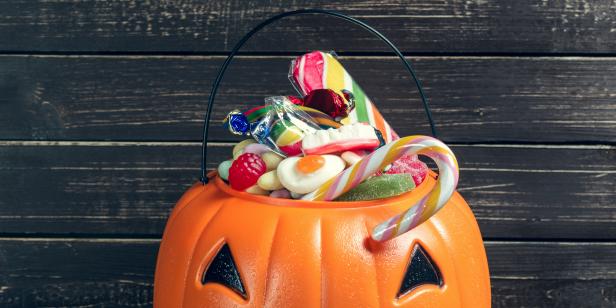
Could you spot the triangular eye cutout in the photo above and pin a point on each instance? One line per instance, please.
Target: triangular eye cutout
(421, 270)
(223, 270)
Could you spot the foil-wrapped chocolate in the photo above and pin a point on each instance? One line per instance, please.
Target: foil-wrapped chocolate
(327, 101)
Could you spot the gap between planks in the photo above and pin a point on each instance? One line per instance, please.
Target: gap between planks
(205, 56)
(228, 144)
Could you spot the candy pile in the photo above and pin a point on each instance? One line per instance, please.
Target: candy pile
(303, 147)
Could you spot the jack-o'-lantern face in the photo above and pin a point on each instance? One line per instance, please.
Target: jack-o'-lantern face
(223, 248)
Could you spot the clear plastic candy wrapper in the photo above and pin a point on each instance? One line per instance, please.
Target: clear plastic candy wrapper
(283, 127)
(331, 143)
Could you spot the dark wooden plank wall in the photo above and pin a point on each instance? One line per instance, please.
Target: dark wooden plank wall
(101, 106)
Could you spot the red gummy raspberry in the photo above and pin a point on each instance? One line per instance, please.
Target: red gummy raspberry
(412, 165)
(246, 170)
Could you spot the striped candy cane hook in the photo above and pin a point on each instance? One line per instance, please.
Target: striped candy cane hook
(379, 159)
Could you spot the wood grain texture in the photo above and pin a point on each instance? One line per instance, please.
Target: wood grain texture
(77, 272)
(68, 272)
(474, 99)
(516, 191)
(101, 105)
(571, 26)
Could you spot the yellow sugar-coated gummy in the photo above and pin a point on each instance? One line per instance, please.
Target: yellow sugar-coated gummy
(256, 190)
(238, 149)
(269, 181)
(272, 160)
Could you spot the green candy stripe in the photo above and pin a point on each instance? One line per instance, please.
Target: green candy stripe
(360, 103)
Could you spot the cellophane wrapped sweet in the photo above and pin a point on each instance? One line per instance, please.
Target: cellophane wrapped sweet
(296, 144)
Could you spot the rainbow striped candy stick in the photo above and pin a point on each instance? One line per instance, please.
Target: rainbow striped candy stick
(379, 159)
(319, 70)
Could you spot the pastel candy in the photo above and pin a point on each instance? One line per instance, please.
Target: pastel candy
(379, 187)
(256, 148)
(238, 149)
(281, 193)
(269, 181)
(256, 190)
(271, 160)
(296, 195)
(351, 157)
(301, 183)
(223, 169)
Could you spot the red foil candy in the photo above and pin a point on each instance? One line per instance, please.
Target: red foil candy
(328, 102)
(296, 100)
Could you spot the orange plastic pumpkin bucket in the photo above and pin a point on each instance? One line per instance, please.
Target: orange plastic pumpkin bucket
(225, 248)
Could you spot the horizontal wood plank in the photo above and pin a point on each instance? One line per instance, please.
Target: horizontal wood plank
(77, 272)
(571, 26)
(474, 99)
(74, 273)
(516, 191)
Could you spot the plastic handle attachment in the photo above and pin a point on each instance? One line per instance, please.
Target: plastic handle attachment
(272, 19)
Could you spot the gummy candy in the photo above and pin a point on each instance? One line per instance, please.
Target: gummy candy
(351, 157)
(269, 181)
(378, 187)
(271, 160)
(281, 193)
(257, 148)
(409, 164)
(238, 149)
(223, 169)
(256, 190)
(310, 163)
(299, 182)
(246, 170)
(354, 136)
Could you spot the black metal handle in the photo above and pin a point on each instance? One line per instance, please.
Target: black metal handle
(260, 26)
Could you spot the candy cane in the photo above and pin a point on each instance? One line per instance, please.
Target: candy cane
(379, 159)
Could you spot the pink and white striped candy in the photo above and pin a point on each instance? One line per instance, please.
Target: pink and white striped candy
(379, 159)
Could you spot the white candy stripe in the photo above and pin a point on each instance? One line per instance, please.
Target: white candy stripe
(324, 73)
(302, 64)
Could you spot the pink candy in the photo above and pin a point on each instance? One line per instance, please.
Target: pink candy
(412, 165)
(281, 193)
(257, 148)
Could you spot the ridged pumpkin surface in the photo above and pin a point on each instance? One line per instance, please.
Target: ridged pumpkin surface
(298, 254)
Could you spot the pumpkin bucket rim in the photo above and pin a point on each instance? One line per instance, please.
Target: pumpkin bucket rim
(423, 189)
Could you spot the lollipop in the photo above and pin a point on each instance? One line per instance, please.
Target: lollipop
(320, 70)
(377, 160)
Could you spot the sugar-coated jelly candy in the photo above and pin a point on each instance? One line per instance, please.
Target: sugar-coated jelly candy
(378, 187)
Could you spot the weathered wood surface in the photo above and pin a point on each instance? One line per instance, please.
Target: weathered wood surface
(474, 99)
(68, 272)
(130, 187)
(523, 90)
(76, 272)
(433, 26)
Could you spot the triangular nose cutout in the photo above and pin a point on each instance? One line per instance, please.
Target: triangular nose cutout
(421, 270)
(223, 270)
